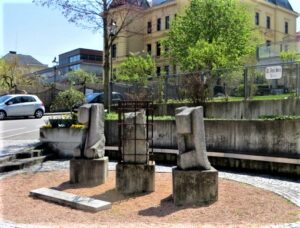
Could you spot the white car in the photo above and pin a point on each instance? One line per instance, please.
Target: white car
(21, 105)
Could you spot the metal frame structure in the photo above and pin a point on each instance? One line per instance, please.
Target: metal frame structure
(135, 106)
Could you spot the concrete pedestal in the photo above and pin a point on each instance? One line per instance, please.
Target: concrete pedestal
(135, 178)
(195, 187)
(89, 171)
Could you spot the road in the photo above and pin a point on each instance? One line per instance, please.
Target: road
(21, 129)
(17, 134)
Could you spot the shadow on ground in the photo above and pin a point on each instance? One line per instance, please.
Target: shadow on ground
(110, 195)
(165, 208)
(113, 196)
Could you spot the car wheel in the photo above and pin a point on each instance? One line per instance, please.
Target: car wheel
(2, 115)
(38, 113)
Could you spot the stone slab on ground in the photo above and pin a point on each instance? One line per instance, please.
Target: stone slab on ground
(71, 200)
(89, 171)
(195, 187)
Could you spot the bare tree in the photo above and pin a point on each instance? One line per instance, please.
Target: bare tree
(13, 75)
(107, 16)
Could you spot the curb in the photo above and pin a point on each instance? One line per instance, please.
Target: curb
(56, 113)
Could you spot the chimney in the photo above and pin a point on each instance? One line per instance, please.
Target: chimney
(13, 52)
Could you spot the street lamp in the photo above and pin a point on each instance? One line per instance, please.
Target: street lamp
(54, 61)
(112, 32)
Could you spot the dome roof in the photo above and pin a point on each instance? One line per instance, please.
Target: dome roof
(283, 3)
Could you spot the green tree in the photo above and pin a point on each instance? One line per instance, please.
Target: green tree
(81, 77)
(210, 35)
(12, 75)
(136, 70)
(100, 15)
(289, 56)
(67, 99)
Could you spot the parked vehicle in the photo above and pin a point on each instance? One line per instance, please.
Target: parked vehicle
(21, 105)
(99, 98)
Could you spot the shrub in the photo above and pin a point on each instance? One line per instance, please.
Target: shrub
(67, 99)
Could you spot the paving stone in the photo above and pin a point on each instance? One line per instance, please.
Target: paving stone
(71, 200)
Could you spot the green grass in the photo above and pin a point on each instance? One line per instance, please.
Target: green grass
(114, 116)
(255, 98)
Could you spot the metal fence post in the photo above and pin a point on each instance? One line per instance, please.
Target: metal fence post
(246, 89)
(166, 88)
(297, 80)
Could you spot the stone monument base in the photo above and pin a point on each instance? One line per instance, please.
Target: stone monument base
(195, 187)
(89, 171)
(135, 178)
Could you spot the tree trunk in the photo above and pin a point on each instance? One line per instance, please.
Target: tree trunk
(106, 56)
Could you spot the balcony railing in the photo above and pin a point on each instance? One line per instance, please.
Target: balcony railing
(273, 50)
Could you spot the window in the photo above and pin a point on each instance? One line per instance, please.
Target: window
(149, 49)
(174, 69)
(166, 48)
(74, 58)
(98, 58)
(158, 25)
(256, 18)
(74, 67)
(286, 27)
(167, 22)
(149, 27)
(157, 49)
(114, 51)
(268, 42)
(15, 100)
(167, 70)
(268, 22)
(27, 99)
(158, 71)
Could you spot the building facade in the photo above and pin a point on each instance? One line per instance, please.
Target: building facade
(275, 19)
(85, 59)
(27, 62)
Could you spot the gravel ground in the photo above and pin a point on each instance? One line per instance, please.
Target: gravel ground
(286, 188)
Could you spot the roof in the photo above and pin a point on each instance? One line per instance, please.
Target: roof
(160, 2)
(22, 59)
(139, 3)
(283, 3)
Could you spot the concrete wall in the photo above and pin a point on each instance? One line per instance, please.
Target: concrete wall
(272, 138)
(62, 140)
(252, 109)
(242, 109)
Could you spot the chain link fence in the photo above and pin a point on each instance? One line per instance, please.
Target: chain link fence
(236, 83)
(280, 80)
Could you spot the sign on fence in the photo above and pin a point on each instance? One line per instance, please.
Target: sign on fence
(273, 72)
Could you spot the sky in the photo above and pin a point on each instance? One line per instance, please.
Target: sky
(45, 33)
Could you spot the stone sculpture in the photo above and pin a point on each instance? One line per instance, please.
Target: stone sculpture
(191, 139)
(135, 173)
(135, 145)
(93, 147)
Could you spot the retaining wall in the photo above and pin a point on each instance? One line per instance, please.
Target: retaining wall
(242, 109)
(280, 138)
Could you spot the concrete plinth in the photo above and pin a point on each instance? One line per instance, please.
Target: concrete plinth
(89, 171)
(135, 178)
(195, 187)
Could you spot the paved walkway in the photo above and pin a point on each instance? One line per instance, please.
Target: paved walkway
(286, 188)
(8, 147)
